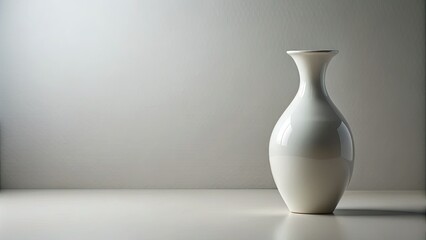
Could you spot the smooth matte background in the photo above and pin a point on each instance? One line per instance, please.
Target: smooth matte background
(184, 94)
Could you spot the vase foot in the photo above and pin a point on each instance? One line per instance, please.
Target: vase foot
(313, 213)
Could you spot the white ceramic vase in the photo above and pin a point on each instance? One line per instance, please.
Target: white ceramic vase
(311, 150)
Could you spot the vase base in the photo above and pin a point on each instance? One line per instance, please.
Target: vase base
(313, 213)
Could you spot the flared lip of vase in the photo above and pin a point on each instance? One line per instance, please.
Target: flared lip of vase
(332, 51)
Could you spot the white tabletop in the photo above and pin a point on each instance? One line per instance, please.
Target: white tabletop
(204, 214)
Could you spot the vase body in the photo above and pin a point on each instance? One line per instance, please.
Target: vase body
(311, 149)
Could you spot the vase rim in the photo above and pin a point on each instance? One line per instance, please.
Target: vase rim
(313, 51)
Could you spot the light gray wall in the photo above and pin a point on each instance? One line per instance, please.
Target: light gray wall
(184, 94)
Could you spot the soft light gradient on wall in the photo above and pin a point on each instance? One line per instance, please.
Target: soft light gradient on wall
(184, 94)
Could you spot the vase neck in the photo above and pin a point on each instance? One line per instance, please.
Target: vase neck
(312, 66)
